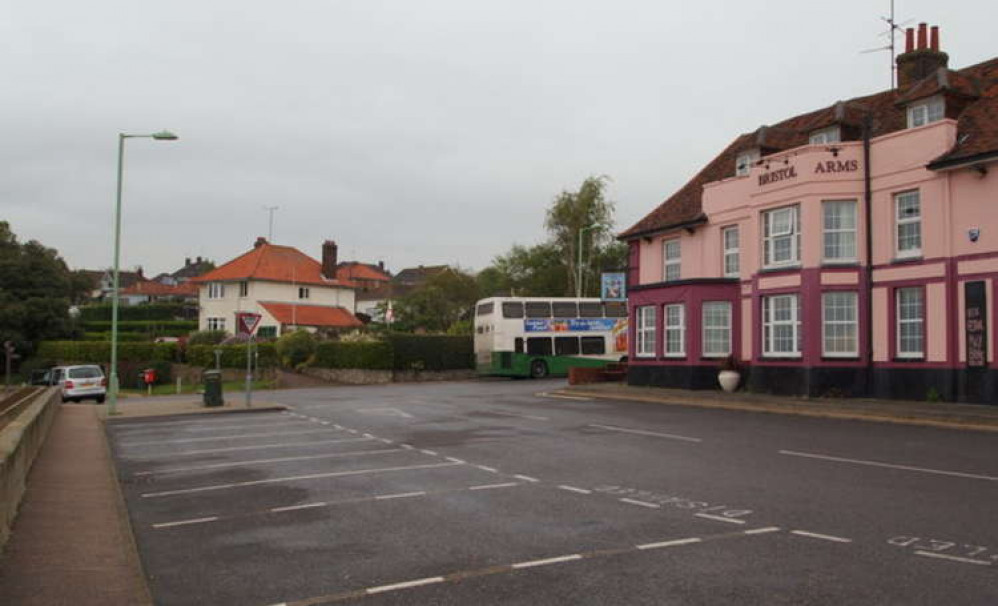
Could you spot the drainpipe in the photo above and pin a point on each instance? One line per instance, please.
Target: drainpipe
(868, 218)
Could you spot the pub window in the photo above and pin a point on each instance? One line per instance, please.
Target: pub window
(839, 217)
(566, 346)
(908, 209)
(675, 330)
(744, 162)
(781, 334)
(565, 309)
(840, 324)
(512, 310)
(926, 112)
(671, 259)
(781, 236)
(825, 135)
(538, 309)
(910, 322)
(539, 346)
(645, 331)
(593, 346)
(716, 328)
(731, 251)
(590, 310)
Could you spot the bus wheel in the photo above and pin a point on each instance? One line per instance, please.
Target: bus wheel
(538, 369)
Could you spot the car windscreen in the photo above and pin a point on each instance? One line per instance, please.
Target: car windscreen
(85, 372)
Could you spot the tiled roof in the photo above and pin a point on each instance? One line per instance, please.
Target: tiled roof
(977, 134)
(387, 291)
(158, 289)
(311, 315)
(361, 271)
(418, 275)
(273, 263)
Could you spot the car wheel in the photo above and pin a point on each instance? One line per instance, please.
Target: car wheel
(538, 369)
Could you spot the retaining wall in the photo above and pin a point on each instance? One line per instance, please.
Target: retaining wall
(358, 376)
(20, 442)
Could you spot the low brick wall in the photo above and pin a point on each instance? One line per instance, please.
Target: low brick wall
(358, 376)
(20, 442)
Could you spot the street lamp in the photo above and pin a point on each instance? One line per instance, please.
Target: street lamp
(162, 135)
(578, 266)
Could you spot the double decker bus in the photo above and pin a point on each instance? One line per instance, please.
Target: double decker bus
(544, 336)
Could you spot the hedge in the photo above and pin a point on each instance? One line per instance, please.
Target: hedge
(376, 355)
(99, 352)
(161, 328)
(233, 356)
(122, 336)
(432, 352)
(152, 311)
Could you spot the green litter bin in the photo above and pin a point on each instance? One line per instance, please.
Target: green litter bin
(213, 388)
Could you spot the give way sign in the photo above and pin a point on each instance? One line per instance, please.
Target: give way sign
(246, 322)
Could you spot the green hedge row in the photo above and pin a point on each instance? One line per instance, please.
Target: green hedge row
(153, 311)
(159, 327)
(98, 352)
(432, 352)
(376, 355)
(233, 356)
(122, 336)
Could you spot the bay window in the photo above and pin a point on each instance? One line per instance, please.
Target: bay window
(781, 326)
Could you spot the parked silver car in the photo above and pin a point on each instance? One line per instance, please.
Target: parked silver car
(83, 382)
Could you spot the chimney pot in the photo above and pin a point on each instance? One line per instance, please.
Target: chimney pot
(922, 32)
(381, 265)
(934, 38)
(187, 261)
(199, 260)
(260, 241)
(329, 252)
(909, 39)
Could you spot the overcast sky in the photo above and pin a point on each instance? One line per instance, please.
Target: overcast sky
(409, 131)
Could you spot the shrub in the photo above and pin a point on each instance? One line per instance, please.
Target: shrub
(206, 337)
(233, 356)
(159, 328)
(152, 311)
(371, 355)
(296, 349)
(432, 352)
(99, 352)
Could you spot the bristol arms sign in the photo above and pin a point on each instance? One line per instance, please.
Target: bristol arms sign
(821, 168)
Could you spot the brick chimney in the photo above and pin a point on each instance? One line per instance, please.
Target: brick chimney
(329, 249)
(260, 241)
(921, 60)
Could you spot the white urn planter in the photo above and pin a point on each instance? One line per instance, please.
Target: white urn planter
(729, 380)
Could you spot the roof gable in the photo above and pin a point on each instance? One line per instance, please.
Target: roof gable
(273, 263)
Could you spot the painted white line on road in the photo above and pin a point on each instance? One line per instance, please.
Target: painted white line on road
(574, 489)
(429, 452)
(642, 432)
(405, 585)
(526, 478)
(719, 518)
(673, 543)
(453, 460)
(642, 503)
(353, 453)
(943, 556)
(254, 447)
(367, 435)
(520, 416)
(562, 397)
(352, 430)
(408, 446)
(216, 438)
(766, 530)
(491, 486)
(385, 440)
(297, 507)
(823, 537)
(311, 476)
(546, 561)
(394, 411)
(489, 469)
(245, 426)
(185, 522)
(401, 495)
(958, 474)
(337, 426)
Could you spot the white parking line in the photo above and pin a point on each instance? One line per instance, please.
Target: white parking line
(432, 453)
(719, 518)
(766, 530)
(254, 447)
(489, 469)
(491, 486)
(642, 432)
(545, 562)
(354, 453)
(561, 397)
(405, 585)
(823, 537)
(673, 543)
(311, 476)
(642, 503)
(253, 426)
(185, 522)
(958, 474)
(930, 554)
(526, 478)
(408, 446)
(453, 460)
(574, 489)
(297, 507)
(402, 495)
(521, 416)
(216, 438)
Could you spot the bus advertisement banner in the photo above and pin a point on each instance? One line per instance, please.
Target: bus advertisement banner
(569, 325)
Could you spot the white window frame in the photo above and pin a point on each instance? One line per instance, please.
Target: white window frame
(851, 324)
(920, 322)
(899, 221)
(926, 112)
(215, 323)
(769, 238)
(841, 256)
(303, 292)
(644, 327)
(769, 325)
(672, 265)
(832, 134)
(744, 162)
(243, 289)
(216, 290)
(729, 252)
(674, 325)
(705, 327)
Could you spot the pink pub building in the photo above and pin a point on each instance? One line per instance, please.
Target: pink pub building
(852, 250)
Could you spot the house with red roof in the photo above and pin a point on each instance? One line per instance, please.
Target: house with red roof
(289, 289)
(152, 291)
(851, 250)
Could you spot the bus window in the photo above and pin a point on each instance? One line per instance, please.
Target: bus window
(566, 346)
(538, 309)
(539, 346)
(512, 310)
(615, 309)
(485, 309)
(518, 345)
(590, 310)
(565, 309)
(593, 346)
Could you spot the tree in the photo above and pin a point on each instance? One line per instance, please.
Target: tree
(571, 213)
(444, 299)
(297, 349)
(535, 271)
(36, 289)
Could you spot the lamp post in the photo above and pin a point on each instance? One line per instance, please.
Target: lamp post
(162, 135)
(578, 266)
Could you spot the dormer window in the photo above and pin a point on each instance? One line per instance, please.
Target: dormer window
(926, 112)
(832, 134)
(744, 162)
